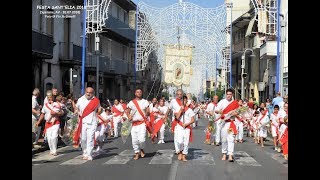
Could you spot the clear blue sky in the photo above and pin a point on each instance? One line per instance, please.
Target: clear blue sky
(163, 3)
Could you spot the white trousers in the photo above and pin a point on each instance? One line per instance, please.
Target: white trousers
(161, 132)
(262, 132)
(99, 134)
(52, 137)
(239, 126)
(218, 131)
(116, 121)
(274, 131)
(138, 134)
(227, 139)
(87, 138)
(181, 139)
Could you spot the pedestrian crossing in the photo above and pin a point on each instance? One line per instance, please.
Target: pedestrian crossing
(196, 157)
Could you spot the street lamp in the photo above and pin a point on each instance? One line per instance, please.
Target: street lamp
(243, 63)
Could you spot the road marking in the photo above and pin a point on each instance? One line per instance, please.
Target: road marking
(278, 157)
(44, 158)
(75, 161)
(124, 157)
(244, 159)
(173, 170)
(163, 156)
(201, 157)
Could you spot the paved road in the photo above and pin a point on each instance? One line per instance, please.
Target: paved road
(160, 163)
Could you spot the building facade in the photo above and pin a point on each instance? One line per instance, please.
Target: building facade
(56, 48)
(57, 53)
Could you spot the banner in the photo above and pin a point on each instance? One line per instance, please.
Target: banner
(177, 64)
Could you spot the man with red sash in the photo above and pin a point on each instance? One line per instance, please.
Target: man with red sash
(227, 108)
(117, 111)
(176, 106)
(183, 130)
(210, 110)
(153, 113)
(137, 111)
(274, 120)
(159, 123)
(263, 120)
(87, 107)
(51, 112)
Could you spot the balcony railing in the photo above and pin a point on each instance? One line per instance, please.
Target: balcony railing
(120, 28)
(115, 66)
(42, 44)
(69, 51)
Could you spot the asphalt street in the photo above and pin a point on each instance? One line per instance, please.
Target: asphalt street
(160, 163)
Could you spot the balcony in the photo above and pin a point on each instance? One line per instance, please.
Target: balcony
(268, 49)
(120, 28)
(115, 66)
(238, 46)
(70, 53)
(42, 45)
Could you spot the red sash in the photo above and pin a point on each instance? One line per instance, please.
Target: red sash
(284, 137)
(152, 118)
(232, 106)
(208, 135)
(48, 123)
(156, 128)
(124, 106)
(174, 122)
(148, 126)
(102, 121)
(93, 104)
(116, 110)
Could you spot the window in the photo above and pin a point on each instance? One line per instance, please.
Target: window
(49, 24)
(124, 53)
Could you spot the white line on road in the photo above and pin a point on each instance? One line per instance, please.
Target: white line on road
(45, 156)
(124, 157)
(278, 157)
(244, 159)
(173, 170)
(163, 156)
(75, 161)
(201, 157)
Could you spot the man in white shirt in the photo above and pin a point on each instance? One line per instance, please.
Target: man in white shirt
(176, 106)
(117, 112)
(183, 131)
(228, 129)
(210, 110)
(35, 115)
(137, 112)
(87, 108)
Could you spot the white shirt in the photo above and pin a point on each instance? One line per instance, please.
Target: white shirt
(175, 107)
(105, 116)
(264, 121)
(56, 107)
(163, 110)
(186, 117)
(143, 104)
(282, 129)
(35, 105)
(119, 107)
(274, 118)
(222, 104)
(81, 105)
(210, 107)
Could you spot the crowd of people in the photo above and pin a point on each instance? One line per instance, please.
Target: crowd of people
(96, 121)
